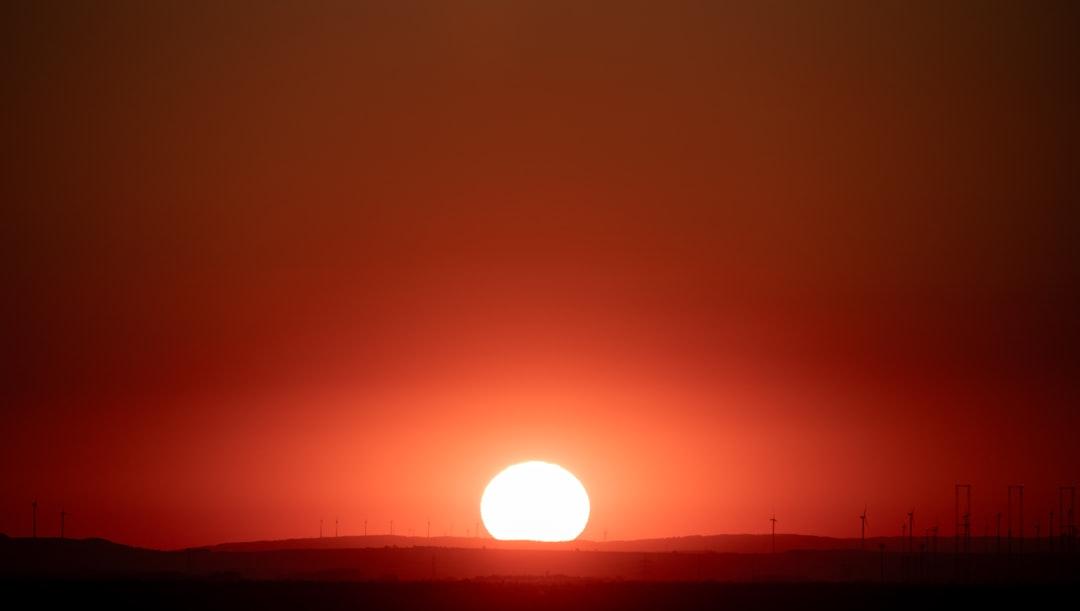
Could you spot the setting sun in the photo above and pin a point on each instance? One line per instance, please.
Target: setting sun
(536, 501)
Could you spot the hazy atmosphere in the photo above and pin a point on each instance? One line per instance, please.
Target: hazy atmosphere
(268, 263)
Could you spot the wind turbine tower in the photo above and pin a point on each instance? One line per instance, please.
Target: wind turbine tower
(773, 520)
(998, 535)
(1050, 532)
(911, 529)
(1067, 512)
(862, 518)
(963, 517)
(1019, 488)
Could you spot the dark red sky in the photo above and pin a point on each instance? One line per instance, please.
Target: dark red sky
(269, 262)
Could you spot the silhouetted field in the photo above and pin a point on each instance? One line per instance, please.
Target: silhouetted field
(55, 573)
(67, 558)
(560, 594)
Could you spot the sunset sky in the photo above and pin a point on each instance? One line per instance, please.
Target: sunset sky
(271, 262)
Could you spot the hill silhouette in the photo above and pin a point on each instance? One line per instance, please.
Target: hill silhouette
(98, 558)
(740, 543)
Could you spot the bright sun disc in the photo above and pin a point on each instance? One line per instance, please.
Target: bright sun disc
(535, 501)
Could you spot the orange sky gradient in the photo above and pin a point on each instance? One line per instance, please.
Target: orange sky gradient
(271, 263)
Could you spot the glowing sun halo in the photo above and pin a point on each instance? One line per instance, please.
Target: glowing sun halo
(535, 501)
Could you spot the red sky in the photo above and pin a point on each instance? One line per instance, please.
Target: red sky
(271, 263)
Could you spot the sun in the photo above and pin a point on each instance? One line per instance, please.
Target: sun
(535, 501)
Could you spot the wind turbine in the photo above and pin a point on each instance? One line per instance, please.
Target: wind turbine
(862, 518)
(773, 520)
(911, 529)
(63, 515)
(1050, 532)
(962, 528)
(998, 536)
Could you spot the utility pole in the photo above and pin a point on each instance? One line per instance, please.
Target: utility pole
(320, 528)
(34, 531)
(335, 528)
(63, 514)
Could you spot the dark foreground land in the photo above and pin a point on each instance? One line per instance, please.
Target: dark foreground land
(93, 573)
(520, 594)
(97, 558)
